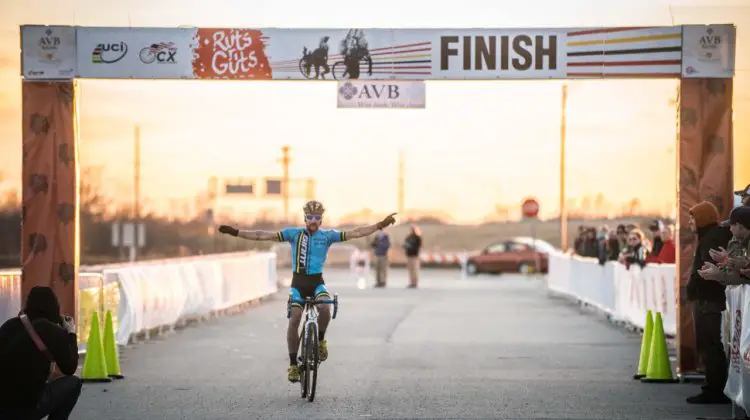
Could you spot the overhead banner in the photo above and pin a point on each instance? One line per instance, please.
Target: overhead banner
(387, 54)
(48, 52)
(135, 53)
(436, 54)
(381, 94)
(708, 51)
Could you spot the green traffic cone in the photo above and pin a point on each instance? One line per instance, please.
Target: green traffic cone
(645, 347)
(94, 365)
(111, 355)
(659, 367)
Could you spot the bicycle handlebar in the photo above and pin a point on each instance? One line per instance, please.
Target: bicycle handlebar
(309, 301)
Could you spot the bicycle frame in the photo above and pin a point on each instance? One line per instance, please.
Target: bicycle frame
(310, 310)
(307, 362)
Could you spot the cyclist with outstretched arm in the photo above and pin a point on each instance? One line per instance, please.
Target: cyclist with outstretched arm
(310, 246)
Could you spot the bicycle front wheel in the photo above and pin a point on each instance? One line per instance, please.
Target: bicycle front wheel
(305, 68)
(302, 363)
(339, 70)
(311, 374)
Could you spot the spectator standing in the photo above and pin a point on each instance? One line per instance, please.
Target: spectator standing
(635, 252)
(602, 237)
(622, 236)
(668, 252)
(380, 247)
(658, 242)
(412, 246)
(590, 243)
(38, 357)
(578, 244)
(732, 264)
(708, 301)
(744, 196)
(613, 247)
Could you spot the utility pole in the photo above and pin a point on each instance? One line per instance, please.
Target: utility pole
(285, 159)
(401, 183)
(563, 209)
(136, 190)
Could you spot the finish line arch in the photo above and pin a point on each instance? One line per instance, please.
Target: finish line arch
(54, 57)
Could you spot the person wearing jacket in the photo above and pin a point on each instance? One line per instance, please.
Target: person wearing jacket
(36, 378)
(708, 301)
(733, 264)
(412, 246)
(744, 195)
(380, 247)
(635, 252)
(668, 252)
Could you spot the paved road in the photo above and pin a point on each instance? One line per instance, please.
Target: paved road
(489, 347)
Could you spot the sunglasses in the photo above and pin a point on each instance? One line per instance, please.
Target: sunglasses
(313, 217)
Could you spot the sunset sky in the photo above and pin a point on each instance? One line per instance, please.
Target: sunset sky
(475, 145)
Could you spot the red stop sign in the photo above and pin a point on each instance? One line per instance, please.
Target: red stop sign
(530, 208)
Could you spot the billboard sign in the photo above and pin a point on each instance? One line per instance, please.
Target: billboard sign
(135, 53)
(708, 51)
(381, 94)
(48, 52)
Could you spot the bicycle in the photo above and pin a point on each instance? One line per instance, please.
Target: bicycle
(306, 64)
(307, 358)
(340, 71)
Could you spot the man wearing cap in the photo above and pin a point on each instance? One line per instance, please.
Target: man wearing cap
(733, 264)
(744, 195)
(708, 301)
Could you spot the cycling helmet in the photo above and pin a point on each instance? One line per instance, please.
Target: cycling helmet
(313, 207)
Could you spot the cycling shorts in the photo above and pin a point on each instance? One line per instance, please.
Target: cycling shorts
(308, 285)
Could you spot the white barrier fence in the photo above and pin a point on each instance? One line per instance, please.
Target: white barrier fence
(161, 294)
(626, 294)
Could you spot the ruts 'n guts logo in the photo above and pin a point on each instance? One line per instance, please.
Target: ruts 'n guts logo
(230, 54)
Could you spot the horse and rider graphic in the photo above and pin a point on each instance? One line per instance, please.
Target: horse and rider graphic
(353, 49)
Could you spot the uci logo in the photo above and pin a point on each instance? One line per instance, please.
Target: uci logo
(109, 53)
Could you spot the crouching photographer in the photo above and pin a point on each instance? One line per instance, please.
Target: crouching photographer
(38, 357)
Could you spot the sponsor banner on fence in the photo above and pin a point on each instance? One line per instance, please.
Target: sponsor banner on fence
(381, 94)
(48, 52)
(138, 53)
(738, 383)
(708, 51)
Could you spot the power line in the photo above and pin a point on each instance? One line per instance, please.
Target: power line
(401, 183)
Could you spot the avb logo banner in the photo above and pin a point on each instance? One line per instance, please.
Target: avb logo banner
(381, 94)
(708, 51)
(49, 52)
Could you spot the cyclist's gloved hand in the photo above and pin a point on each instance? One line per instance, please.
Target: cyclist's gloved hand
(387, 221)
(229, 230)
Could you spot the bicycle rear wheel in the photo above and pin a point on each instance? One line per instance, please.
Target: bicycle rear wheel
(311, 376)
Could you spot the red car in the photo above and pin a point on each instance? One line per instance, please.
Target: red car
(517, 255)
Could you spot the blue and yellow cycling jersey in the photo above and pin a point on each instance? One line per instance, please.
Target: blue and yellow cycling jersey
(309, 250)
